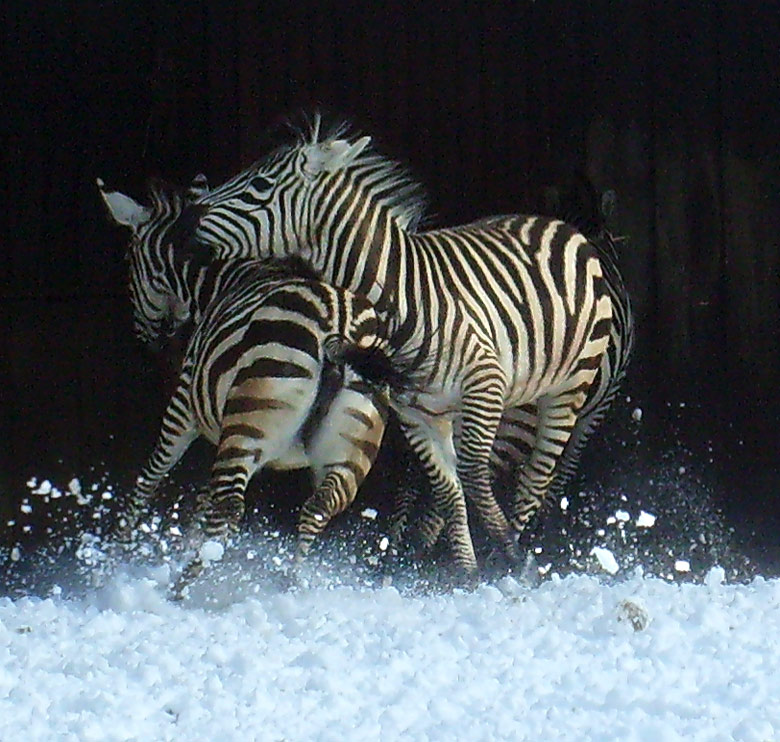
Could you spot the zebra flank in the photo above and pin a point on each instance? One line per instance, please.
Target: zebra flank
(495, 316)
(263, 378)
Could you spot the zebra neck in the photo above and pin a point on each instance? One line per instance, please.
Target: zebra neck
(207, 283)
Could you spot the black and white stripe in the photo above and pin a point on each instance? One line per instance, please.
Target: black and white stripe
(497, 314)
(263, 377)
(516, 436)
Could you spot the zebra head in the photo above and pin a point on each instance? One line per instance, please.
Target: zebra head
(156, 282)
(266, 210)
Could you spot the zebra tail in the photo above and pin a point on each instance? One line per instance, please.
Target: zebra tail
(377, 364)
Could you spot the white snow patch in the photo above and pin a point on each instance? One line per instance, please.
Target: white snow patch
(645, 520)
(369, 513)
(211, 551)
(573, 659)
(606, 559)
(44, 488)
(682, 565)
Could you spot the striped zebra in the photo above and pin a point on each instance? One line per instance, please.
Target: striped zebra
(262, 378)
(497, 314)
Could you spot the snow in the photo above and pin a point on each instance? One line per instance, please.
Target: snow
(355, 649)
(211, 551)
(575, 658)
(645, 520)
(606, 559)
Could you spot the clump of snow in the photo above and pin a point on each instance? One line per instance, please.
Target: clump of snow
(211, 551)
(645, 520)
(606, 559)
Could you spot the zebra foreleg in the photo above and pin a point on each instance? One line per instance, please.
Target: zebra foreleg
(437, 456)
(481, 415)
(177, 432)
(511, 447)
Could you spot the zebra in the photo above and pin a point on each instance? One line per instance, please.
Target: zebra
(262, 377)
(496, 314)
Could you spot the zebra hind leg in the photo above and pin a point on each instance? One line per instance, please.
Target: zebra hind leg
(334, 494)
(221, 515)
(557, 418)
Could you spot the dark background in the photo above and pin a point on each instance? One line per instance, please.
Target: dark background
(674, 107)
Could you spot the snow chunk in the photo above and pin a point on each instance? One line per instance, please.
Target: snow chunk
(606, 559)
(564, 503)
(645, 520)
(369, 513)
(636, 415)
(716, 576)
(211, 551)
(44, 488)
(682, 565)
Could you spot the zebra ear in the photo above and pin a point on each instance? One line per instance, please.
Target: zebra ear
(328, 157)
(199, 187)
(123, 209)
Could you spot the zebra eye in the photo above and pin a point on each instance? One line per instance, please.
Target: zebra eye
(260, 183)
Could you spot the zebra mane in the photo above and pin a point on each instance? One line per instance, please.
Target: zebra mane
(407, 202)
(402, 194)
(166, 198)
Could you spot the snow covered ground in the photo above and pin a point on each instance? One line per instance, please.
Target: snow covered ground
(344, 658)
(93, 650)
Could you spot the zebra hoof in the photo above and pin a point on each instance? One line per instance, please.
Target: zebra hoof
(462, 578)
(189, 574)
